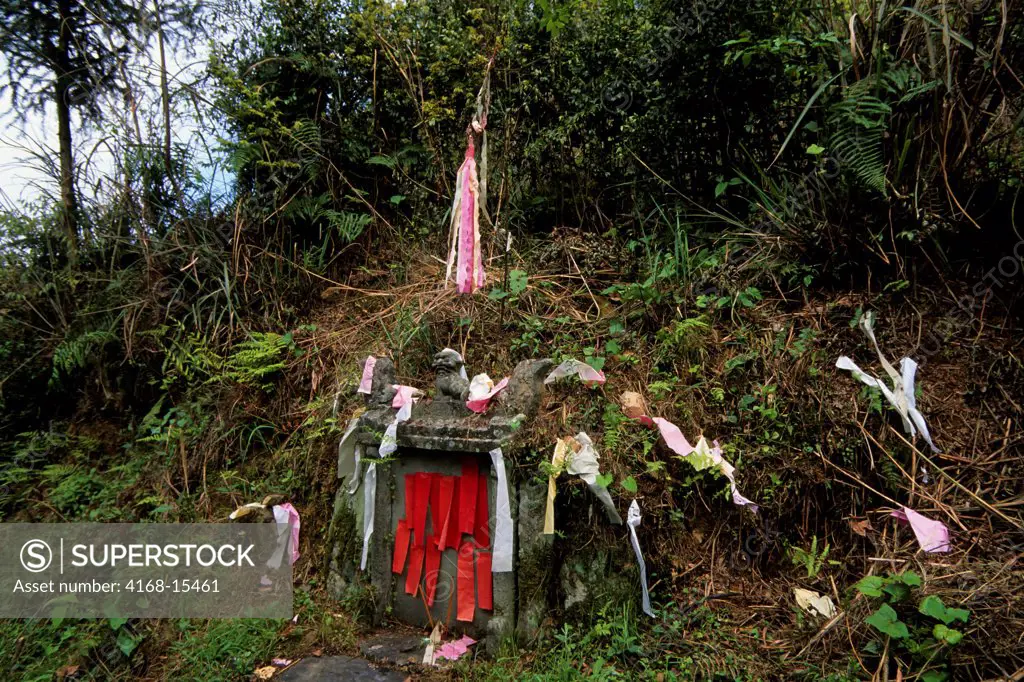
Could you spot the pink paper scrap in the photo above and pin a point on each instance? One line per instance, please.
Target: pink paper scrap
(403, 395)
(366, 383)
(933, 536)
(674, 438)
(479, 405)
(453, 651)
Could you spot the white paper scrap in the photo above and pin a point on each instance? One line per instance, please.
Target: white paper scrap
(812, 602)
(588, 375)
(585, 465)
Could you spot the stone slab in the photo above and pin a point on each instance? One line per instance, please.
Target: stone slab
(394, 648)
(337, 669)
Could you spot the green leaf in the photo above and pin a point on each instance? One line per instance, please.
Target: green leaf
(629, 483)
(517, 280)
(497, 294)
(934, 607)
(947, 634)
(910, 578)
(616, 327)
(887, 622)
(898, 591)
(934, 676)
(612, 347)
(396, 199)
(815, 149)
(604, 480)
(116, 623)
(381, 161)
(127, 643)
(958, 614)
(720, 188)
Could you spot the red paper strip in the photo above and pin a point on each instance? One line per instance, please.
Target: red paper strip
(465, 584)
(482, 532)
(410, 497)
(401, 547)
(433, 569)
(447, 495)
(467, 495)
(453, 535)
(435, 504)
(412, 578)
(421, 500)
(484, 586)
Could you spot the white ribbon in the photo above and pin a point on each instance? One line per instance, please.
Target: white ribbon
(369, 503)
(901, 395)
(501, 558)
(347, 449)
(281, 519)
(633, 520)
(353, 483)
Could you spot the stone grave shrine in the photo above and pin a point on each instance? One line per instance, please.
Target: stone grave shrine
(427, 514)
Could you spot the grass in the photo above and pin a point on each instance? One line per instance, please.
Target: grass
(753, 372)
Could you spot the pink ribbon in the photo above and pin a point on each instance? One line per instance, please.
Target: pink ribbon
(293, 521)
(366, 382)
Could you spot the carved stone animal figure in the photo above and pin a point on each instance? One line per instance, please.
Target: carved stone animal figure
(451, 383)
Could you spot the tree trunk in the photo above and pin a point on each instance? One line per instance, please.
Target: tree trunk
(165, 102)
(62, 92)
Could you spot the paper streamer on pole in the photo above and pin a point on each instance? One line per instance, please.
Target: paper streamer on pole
(465, 227)
(633, 521)
(369, 502)
(501, 558)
